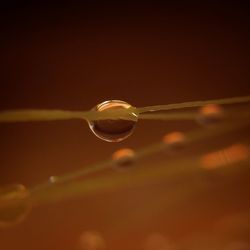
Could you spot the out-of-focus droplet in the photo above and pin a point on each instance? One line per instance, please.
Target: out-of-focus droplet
(91, 241)
(113, 130)
(174, 140)
(14, 204)
(221, 158)
(123, 158)
(158, 242)
(53, 179)
(210, 114)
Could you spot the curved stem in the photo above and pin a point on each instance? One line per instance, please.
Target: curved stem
(144, 152)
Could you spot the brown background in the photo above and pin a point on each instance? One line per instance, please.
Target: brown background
(75, 56)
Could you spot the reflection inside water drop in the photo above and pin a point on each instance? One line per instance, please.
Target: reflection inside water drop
(113, 130)
(14, 204)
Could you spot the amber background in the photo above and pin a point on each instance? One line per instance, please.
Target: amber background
(74, 56)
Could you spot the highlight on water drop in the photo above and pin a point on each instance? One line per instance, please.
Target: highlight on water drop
(117, 129)
(14, 204)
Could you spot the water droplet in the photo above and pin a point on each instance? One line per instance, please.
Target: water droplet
(210, 114)
(53, 179)
(225, 157)
(14, 205)
(123, 158)
(91, 241)
(113, 130)
(175, 140)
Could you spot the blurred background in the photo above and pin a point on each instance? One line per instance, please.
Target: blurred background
(73, 56)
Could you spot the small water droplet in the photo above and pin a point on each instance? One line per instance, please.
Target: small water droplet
(14, 205)
(210, 114)
(53, 179)
(123, 158)
(174, 140)
(113, 130)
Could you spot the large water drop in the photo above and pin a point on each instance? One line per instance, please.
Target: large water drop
(115, 129)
